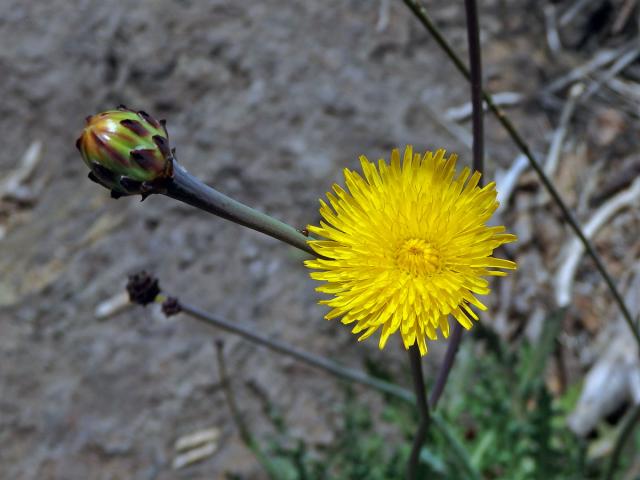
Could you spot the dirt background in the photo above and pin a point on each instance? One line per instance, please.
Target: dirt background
(267, 101)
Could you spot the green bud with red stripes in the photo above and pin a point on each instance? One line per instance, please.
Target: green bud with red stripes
(127, 151)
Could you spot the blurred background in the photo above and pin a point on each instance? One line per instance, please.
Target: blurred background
(268, 101)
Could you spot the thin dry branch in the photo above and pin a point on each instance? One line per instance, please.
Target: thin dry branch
(501, 99)
(458, 132)
(551, 23)
(574, 249)
(12, 186)
(600, 60)
(619, 65)
(507, 180)
(553, 157)
(573, 11)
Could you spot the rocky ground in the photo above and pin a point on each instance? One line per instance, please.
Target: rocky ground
(267, 101)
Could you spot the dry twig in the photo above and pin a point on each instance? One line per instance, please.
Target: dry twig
(573, 11)
(501, 99)
(13, 185)
(573, 250)
(601, 59)
(551, 22)
(507, 180)
(625, 59)
(553, 157)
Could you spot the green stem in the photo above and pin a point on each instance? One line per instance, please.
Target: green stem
(626, 431)
(460, 454)
(189, 189)
(421, 13)
(415, 361)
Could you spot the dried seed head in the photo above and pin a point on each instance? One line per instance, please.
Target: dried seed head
(128, 152)
(171, 306)
(143, 288)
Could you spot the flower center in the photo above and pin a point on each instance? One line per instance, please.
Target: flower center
(418, 257)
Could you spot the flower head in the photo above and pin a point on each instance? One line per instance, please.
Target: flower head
(406, 246)
(127, 151)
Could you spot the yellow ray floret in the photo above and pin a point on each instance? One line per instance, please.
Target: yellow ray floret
(406, 245)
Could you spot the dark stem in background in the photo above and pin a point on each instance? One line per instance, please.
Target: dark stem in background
(245, 434)
(421, 13)
(144, 289)
(475, 62)
(188, 189)
(423, 408)
(447, 364)
(285, 349)
(172, 306)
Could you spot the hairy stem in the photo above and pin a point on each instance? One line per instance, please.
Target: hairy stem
(188, 189)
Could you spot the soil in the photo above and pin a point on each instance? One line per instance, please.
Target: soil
(267, 101)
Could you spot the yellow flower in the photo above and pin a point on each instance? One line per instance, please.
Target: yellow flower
(406, 246)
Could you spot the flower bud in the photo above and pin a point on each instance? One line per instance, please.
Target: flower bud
(127, 152)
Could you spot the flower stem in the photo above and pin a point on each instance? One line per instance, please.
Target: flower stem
(447, 364)
(144, 289)
(415, 361)
(285, 349)
(460, 455)
(421, 13)
(188, 189)
(475, 62)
